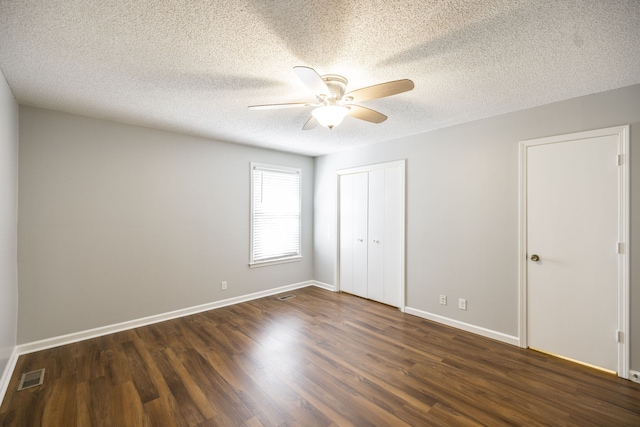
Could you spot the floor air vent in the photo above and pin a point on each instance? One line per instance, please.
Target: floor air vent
(31, 379)
(286, 297)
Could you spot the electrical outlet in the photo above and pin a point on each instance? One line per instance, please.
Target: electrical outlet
(443, 300)
(462, 304)
(223, 285)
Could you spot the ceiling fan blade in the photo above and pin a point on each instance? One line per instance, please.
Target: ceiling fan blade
(312, 80)
(274, 106)
(311, 123)
(366, 114)
(381, 90)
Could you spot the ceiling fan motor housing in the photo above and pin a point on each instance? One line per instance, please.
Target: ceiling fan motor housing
(336, 84)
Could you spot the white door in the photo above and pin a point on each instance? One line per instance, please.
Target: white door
(385, 235)
(376, 240)
(371, 240)
(393, 232)
(347, 233)
(353, 234)
(360, 250)
(573, 230)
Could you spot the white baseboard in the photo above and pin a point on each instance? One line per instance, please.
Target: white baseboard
(634, 376)
(136, 323)
(499, 336)
(8, 372)
(322, 285)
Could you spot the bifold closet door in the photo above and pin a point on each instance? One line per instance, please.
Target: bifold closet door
(385, 236)
(376, 242)
(347, 233)
(371, 227)
(392, 236)
(353, 233)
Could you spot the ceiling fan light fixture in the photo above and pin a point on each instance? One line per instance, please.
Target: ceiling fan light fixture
(330, 115)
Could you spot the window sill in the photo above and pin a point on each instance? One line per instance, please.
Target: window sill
(274, 262)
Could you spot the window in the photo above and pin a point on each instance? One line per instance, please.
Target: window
(275, 214)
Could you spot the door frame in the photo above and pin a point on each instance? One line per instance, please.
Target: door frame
(622, 133)
(368, 168)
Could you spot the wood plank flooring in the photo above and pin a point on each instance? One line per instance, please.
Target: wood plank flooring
(319, 359)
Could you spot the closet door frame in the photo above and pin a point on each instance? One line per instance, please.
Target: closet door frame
(368, 168)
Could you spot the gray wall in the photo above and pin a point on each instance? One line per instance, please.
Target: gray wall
(462, 206)
(8, 223)
(118, 222)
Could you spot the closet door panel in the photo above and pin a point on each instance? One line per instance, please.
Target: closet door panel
(393, 231)
(347, 236)
(360, 219)
(376, 242)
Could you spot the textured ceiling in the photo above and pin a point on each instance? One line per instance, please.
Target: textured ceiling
(193, 66)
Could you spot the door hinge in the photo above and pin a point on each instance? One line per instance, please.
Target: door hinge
(619, 336)
(620, 248)
(620, 160)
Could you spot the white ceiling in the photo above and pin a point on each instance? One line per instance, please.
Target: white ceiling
(193, 66)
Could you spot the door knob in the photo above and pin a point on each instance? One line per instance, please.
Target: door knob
(535, 258)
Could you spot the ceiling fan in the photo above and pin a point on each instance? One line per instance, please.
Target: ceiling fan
(333, 104)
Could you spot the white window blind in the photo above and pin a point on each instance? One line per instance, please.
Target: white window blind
(275, 214)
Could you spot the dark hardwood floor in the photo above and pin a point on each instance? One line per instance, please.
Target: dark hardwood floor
(319, 359)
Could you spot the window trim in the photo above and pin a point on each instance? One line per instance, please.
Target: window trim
(283, 259)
